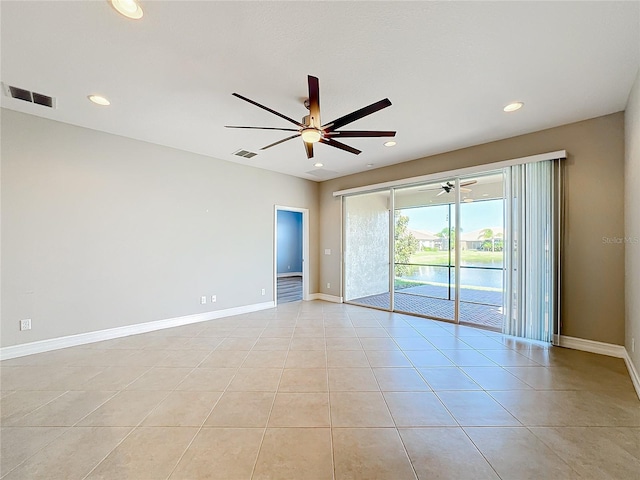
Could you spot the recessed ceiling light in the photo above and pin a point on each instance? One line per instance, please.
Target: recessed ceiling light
(485, 194)
(99, 100)
(318, 164)
(390, 143)
(128, 8)
(468, 200)
(512, 107)
(369, 165)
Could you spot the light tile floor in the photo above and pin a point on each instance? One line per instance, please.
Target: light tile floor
(320, 391)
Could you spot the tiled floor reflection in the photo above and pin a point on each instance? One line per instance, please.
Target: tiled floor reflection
(321, 391)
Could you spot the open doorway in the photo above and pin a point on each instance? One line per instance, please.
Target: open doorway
(291, 246)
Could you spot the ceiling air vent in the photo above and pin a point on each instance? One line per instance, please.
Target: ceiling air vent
(245, 153)
(28, 96)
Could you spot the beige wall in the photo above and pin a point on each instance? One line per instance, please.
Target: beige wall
(101, 231)
(593, 293)
(632, 221)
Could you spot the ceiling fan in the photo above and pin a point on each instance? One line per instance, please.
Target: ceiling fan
(447, 187)
(311, 129)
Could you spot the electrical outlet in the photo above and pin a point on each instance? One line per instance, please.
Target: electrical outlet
(328, 285)
(214, 299)
(264, 291)
(203, 300)
(25, 324)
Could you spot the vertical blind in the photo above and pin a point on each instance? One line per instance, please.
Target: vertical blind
(529, 256)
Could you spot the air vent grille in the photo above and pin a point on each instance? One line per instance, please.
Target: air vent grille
(29, 96)
(42, 100)
(245, 153)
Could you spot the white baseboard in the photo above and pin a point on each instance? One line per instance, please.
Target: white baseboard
(601, 348)
(289, 274)
(24, 349)
(325, 297)
(633, 373)
(592, 346)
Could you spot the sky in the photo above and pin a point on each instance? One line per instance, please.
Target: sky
(473, 216)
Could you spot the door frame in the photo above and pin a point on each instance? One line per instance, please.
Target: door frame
(305, 250)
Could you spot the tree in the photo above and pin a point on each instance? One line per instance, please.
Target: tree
(488, 234)
(448, 236)
(405, 244)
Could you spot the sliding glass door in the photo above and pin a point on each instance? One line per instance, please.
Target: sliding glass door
(476, 249)
(482, 250)
(424, 250)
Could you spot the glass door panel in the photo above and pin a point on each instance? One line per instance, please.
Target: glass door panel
(481, 250)
(424, 250)
(366, 249)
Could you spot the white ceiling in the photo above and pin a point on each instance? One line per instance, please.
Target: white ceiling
(447, 67)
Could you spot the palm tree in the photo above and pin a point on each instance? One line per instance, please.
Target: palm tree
(450, 235)
(487, 234)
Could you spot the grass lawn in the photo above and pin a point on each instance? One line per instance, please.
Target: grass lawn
(472, 257)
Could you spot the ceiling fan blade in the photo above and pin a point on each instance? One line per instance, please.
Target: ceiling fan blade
(361, 133)
(265, 128)
(309, 147)
(269, 110)
(341, 146)
(467, 183)
(314, 101)
(358, 114)
(280, 141)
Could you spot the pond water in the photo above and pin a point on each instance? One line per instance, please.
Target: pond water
(469, 277)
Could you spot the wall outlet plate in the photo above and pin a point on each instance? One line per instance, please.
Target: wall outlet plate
(214, 298)
(203, 300)
(25, 324)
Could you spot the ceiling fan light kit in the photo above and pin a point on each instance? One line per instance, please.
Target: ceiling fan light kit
(311, 129)
(128, 8)
(311, 135)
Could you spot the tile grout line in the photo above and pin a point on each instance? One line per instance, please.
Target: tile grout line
(154, 408)
(133, 429)
(66, 427)
(480, 451)
(384, 399)
(206, 417)
(550, 447)
(326, 357)
(266, 426)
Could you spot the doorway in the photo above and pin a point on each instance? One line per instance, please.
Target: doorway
(291, 247)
